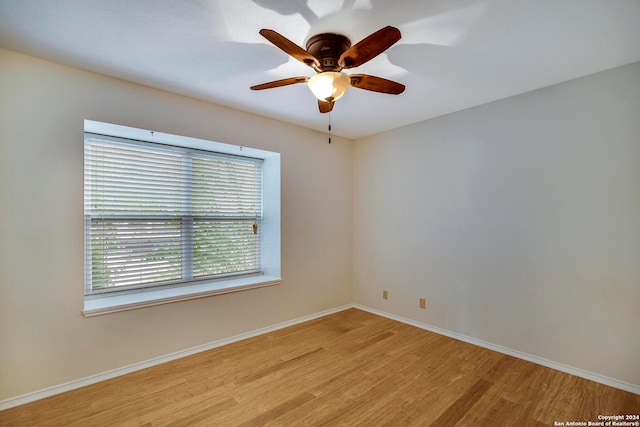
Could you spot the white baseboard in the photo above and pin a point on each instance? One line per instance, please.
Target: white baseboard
(632, 388)
(72, 385)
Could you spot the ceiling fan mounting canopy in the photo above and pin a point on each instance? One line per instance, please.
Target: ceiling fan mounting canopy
(328, 54)
(327, 49)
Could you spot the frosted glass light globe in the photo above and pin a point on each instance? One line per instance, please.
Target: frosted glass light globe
(329, 86)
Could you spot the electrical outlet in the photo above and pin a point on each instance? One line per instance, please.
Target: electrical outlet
(385, 294)
(423, 303)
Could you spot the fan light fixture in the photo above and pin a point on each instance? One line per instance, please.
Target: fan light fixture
(329, 86)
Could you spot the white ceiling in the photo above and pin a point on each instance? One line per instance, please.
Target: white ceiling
(454, 54)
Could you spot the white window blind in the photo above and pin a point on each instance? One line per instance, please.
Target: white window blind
(158, 215)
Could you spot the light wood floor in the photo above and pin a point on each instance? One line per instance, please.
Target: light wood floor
(351, 368)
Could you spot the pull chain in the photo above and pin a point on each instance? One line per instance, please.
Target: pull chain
(329, 128)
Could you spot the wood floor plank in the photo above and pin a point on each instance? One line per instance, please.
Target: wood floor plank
(463, 404)
(278, 410)
(349, 368)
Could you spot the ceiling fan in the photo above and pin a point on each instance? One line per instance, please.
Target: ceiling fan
(328, 54)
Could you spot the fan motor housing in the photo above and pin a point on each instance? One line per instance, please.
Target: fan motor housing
(327, 48)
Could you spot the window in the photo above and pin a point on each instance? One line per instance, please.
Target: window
(163, 212)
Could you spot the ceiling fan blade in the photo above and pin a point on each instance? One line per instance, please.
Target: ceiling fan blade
(370, 47)
(289, 47)
(376, 84)
(324, 106)
(278, 83)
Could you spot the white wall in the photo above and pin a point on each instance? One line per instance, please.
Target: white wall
(519, 221)
(44, 340)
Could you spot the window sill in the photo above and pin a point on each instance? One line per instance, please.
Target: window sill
(113, 304)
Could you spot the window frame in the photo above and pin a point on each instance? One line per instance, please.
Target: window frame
(125, 299)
